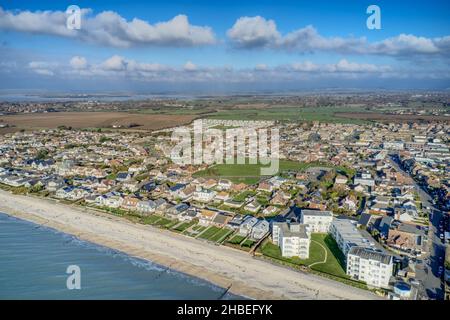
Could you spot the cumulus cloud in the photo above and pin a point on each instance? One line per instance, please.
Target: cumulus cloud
(258, 32)
(189, 66)
(78, 62)
(249, 32)
(115, 63)
(109, 28)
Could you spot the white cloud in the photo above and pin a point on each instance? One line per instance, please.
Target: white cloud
(253, 32)
(118, 67)
(42, 67)
(405, 44)
(109, 28)
(78, 62)
(115, 63)
(189, 66)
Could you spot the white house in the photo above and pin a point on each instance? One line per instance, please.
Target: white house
(260, 229)
(147, 206)
(247, 225)
(204, 195)
(373, 267)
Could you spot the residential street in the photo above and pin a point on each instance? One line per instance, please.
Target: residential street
(427, 271)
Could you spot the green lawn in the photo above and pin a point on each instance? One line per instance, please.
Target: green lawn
(171, 224)
(243, 195)
(334, 264)
(250, 173)
(184, 226)
(237, 239)
(247, 243)
(219, 236)
(163, 222)
(208, 233)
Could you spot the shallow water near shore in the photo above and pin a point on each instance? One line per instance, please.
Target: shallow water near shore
(34, 259)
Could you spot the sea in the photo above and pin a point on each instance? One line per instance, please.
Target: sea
(34, 261)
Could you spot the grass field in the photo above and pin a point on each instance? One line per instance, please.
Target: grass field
(250, 173)
(286, 113)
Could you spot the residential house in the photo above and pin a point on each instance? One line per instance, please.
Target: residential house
(204, 195)
(247, 225)
(260, 229)
(175, 211)
(206, 217)
(221, 219)
(270, 210)
(253, 206)
(147, 206)
(224, 184)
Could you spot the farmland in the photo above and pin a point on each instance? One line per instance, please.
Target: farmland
(80, 120)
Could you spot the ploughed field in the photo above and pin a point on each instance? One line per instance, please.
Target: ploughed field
(119, 120)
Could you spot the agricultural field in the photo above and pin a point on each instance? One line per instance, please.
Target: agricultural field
(289, 113)
(80, 120)
(389, 117)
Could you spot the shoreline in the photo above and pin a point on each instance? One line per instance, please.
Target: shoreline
(219, 265)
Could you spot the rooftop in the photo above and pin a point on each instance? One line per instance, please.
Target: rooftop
(370, 254)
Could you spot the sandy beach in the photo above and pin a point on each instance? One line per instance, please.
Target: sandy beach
(220, 265)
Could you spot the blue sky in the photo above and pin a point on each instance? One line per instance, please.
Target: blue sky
(229, 44)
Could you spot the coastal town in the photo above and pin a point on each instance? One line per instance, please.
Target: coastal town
(366, 205)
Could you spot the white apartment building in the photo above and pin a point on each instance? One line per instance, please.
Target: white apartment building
(374, 268)
(346, 235)
(316, 221)
(292, 238)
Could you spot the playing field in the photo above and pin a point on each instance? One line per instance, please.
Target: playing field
(251, 173)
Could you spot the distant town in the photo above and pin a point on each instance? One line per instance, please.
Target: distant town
(359, 200)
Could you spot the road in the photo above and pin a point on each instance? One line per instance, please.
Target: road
(427, 271)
